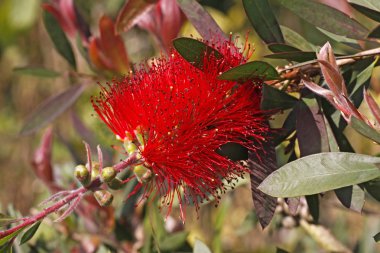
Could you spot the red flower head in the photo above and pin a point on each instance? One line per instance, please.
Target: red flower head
(177, 116)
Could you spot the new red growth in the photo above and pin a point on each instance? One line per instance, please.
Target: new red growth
(184, 115)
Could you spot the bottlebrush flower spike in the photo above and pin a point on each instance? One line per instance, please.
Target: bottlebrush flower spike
(69, 18)
(178, 117)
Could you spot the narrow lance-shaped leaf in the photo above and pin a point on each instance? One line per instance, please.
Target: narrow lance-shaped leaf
(369, 12)
(130, 11)
(265, 205)
(251, 70)
(351, 197)
(38, 72)
(5, 220)
(326, 17)
(264, 21)
(51, 109)
(377, 237)
(365, 130)
(30, 233)
(296, 40)
(373, 106)
(275, 99)
(201, 20)
(319, 173)
(59, 38)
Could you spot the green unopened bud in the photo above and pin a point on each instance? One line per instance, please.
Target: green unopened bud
(140, 135)
(129, 146)
(108, 173)
(115, 184)
(95, 170)
(142, 173)
(103, 197)
(82, 174)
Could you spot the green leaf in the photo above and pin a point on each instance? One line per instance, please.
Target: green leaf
(30, 232)
(263, 20)
(51, 109)
(279, 48)
(377, 237)
(274, 99)
(6, 248)
(250, 70)
(365, 130)
(200, 247)
(319, 173)
(338, 38)
(194, 51)
(373, 188)
(39, 72)
(173, 241)
(371, 4)
(326, 17)
(363, 76)
(297, 56)
(59, 38)
(5, 220)
(351, 197)
(201, 19)
(313, 204)
(8, 238)
(368, 9)
(279, 250)
(375, 33)
(296, 40)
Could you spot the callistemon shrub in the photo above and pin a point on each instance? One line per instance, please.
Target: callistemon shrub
(174, 117)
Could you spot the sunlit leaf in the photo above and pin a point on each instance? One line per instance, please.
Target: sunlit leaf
(59, 38)
(39, 72)
(326, 17)
(362, 128)
(200, 247)
(194, 50)
(250, 70)
(296, 39)
(363, 76)
(368, 8)
(51, 109)
(30, 232)
(371, 4)
(9, 237)
(319, 173)
(276, 99)
(263, 20)
(201, 20)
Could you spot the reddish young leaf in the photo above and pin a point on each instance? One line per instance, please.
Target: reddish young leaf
(130, 11)
(265, 205)
(164, 20)
(373, 106)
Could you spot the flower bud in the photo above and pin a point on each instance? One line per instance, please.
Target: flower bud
(82, 174)
(103, 197)
(95, 170)
(108, 173)
(142, 173)
(115, 184)
(129, 146)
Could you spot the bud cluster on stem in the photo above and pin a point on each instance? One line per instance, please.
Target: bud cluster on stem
(70, 196)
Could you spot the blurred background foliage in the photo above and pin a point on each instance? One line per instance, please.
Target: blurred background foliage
(232, 227)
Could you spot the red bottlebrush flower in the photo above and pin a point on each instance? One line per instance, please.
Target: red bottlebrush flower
(177, 116)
